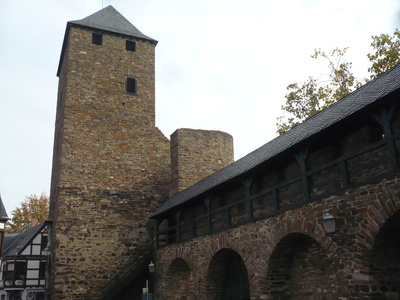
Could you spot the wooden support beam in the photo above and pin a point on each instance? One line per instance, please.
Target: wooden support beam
(301, 159)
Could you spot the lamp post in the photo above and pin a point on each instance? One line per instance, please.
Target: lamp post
(146, 294)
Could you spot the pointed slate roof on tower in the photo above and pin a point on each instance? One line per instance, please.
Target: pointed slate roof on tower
(107, 20)
(110, 20)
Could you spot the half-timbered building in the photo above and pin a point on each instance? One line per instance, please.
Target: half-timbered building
(23, 265)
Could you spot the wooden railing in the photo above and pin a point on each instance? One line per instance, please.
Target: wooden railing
(367, 165)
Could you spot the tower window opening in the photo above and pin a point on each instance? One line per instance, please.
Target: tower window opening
(131, 87)
(97, 39)
(130, 46)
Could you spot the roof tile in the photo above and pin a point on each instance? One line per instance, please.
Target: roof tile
(109, 19)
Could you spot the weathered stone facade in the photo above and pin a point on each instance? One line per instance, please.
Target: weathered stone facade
(290, 256)
(196, 154)
(111, 165)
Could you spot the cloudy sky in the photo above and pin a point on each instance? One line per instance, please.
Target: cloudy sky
(220, 64)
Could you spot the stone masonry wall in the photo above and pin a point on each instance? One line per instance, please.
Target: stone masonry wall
(290, 256)
(196, 154)
(110, 166)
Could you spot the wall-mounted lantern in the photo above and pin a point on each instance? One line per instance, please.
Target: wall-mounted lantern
(152, 267)
(329, 222)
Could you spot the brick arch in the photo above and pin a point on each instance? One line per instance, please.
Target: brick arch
(227, 276)
(181, 253)
(248, 251)
(384, 206)
(385, 260)
(298, 269)
(198, 259)
(302, 222)
(224, 241)
(179, 280)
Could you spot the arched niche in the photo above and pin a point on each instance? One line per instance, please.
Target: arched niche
(299, 268)
(178, 280)
(385, 260)
(227, 277)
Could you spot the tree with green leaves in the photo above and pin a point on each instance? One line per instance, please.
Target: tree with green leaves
(386, 55)
(306, 99)
(32, 208)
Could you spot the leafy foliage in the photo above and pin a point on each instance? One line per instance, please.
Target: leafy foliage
(387, 53)
(33, 207)
(310, 97)
(306, 99)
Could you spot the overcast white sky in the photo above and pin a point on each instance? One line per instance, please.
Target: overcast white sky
(220, 64)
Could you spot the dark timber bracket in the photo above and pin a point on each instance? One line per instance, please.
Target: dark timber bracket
(301, 159)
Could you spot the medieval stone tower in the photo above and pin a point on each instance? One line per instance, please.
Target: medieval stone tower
(110, 163)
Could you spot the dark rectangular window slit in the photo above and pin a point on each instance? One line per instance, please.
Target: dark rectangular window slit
(131, 85)
(130, 46)
(97, 39)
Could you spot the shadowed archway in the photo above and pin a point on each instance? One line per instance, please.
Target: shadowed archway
(385, 260)
(227, 277)
(299, 269)
(179, 280)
